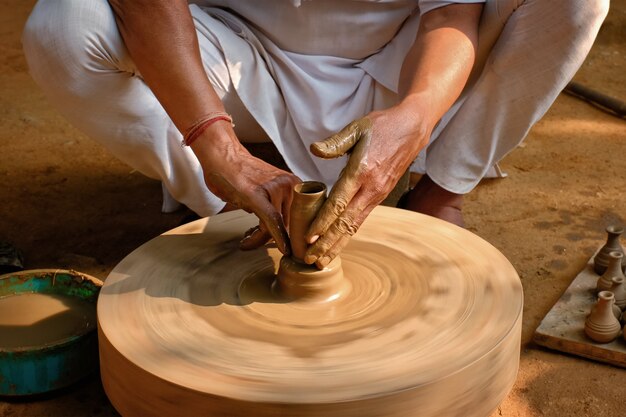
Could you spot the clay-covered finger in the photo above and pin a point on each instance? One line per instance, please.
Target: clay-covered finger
(273, 222)
(332, 253)
(338, 200)
(340, 143)
(255, 238)
(251, 231)
(281, 195)
(285, 209)
(345, 226)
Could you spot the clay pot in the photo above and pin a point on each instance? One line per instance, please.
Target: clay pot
(618, 288)
(295, 279)
(601, 325)
(298, 281)
(308, 198)
(601, 260)
(614, 269)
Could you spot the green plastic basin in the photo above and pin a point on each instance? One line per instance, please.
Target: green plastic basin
(52, 364)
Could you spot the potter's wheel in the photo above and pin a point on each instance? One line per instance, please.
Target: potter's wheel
(430, 326)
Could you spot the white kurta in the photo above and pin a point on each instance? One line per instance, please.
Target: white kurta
(325, 63)
(303, 70)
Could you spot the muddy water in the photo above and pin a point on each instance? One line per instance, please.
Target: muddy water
(37, 319)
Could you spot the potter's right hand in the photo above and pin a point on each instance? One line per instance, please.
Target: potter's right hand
(235, 176)
(382, 146)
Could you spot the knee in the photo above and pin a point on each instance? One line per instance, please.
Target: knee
(63, 39)
(598, 9)
(584, 17)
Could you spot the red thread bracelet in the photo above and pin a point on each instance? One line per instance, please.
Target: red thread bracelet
(200, 126)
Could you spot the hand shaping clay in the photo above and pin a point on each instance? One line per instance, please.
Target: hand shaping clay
(295, 279)
(308, 198)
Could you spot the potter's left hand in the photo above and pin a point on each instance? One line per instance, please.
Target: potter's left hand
(382, 146)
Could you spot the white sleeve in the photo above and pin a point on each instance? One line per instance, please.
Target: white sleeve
(426, 6)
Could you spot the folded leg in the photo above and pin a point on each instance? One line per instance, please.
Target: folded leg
(77, 56)
(542, 45)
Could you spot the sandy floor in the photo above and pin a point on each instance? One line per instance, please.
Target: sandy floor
(68, 203)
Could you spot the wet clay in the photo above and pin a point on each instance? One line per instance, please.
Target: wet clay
(28, 320)
(308, 198)
(296, 280)
(429, 325)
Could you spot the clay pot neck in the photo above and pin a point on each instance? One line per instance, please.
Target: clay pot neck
(602, 258)
(308, 198)
(614, 233)
(605, 299)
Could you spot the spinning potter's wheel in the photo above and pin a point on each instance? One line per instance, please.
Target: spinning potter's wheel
(427, 323)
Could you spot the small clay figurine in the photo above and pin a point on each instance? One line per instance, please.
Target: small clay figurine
(614, 269)
(601, 260)
(601, 325)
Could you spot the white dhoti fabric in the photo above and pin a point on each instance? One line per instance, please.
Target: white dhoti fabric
(296, 72)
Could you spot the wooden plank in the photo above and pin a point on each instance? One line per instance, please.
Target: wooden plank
(562, 328)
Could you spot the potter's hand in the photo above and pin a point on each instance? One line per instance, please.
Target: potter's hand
(382, 145)
(237, 177)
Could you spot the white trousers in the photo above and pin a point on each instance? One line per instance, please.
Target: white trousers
(528, 51)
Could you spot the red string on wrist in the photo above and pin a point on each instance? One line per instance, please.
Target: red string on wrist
(200, 126)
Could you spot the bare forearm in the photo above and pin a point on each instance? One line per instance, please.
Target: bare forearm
(162, 41)
(383, 144)
(440, 61)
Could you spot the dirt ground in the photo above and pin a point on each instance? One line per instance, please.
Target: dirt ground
(67, 203)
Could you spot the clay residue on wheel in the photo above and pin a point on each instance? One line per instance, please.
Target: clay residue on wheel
(420, 312)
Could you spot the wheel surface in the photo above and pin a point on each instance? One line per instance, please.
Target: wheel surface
(430, 325)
